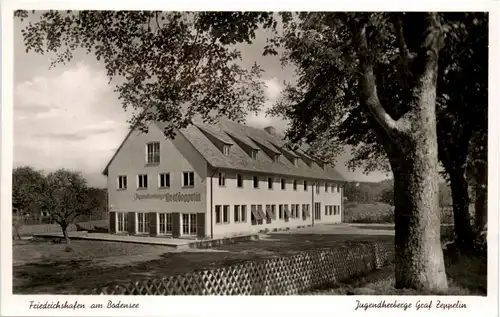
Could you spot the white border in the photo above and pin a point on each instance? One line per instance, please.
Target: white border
(18, 305)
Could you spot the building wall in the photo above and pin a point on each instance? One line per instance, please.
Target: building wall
(176, 156)
(248, 195)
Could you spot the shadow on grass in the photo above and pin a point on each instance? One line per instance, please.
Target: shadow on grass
(467, 276)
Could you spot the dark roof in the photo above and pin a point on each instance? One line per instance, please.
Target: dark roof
(238, 159)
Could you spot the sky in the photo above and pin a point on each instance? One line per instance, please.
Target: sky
(70, 117)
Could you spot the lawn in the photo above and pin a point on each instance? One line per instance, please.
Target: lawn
(42, 267)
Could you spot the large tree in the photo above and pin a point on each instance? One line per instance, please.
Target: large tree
(377, 73)
(461, 91)
(384, 66)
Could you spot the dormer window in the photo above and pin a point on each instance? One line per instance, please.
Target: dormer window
(225, 150)
(295, 161)
(254, 154)
(276, 157)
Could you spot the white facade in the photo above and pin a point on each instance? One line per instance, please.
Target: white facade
(205, 208)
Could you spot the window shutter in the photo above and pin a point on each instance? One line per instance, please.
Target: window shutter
(131, 222)
(200, 225)
(176, 224)
(112, 222)
(153, 226)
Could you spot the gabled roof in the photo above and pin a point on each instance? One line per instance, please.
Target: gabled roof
(239, 159)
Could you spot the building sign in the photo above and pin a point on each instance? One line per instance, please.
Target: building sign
(176, 198)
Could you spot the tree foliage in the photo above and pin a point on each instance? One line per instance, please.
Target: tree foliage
(27, 184)
(174, 64)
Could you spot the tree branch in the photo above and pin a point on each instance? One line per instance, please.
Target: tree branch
(406, 56)
(369, 86)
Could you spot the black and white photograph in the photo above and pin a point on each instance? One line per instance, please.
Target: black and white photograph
(280, 152)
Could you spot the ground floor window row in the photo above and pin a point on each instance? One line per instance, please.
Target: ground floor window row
(268, 213)
(164, 223)
(332, 210)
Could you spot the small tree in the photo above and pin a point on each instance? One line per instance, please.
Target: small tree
(66, 196)
(27, 185)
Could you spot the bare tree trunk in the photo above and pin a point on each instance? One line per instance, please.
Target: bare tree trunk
(65, 233)
(480, 205)
(461, 215)
(419, 256)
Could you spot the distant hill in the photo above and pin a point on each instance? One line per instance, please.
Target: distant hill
(371, 192)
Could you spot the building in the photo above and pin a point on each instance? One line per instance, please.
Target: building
(217, 180)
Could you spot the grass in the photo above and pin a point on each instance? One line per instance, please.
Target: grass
(43, 267)
(48, 268)
(465, 277)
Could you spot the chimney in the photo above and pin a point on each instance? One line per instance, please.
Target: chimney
(271, 130)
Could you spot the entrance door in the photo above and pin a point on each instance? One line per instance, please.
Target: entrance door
(142, 222)
(165, 223)
(188, 224)
(122, 221)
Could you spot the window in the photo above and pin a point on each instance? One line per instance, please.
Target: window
(273, 211)
(331, 210)
(239, 180)
(236, 213)
(326, 187)
(122, 222)
(293, 211)
(225, 215)
(333, 188)
(305, 186)
(225, 149)
(222, 179)
(189, 224)
(142, 181)
(142, 222)
(297, 211)
(294, 184)
(243, 213)
(255, 182)
(326, 210)
(317, 211)
(122, 182)
(283, 184)
(270, 183)
(164, 180)
(280, 214)
(153, 152)
(254, 154)
(317, 188)
(338, 188)
(188, 179)
(218, 214)
(165, 221)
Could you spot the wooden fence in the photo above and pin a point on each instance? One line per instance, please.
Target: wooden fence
(277, 276)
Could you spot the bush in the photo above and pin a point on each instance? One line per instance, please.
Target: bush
(368, 213)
